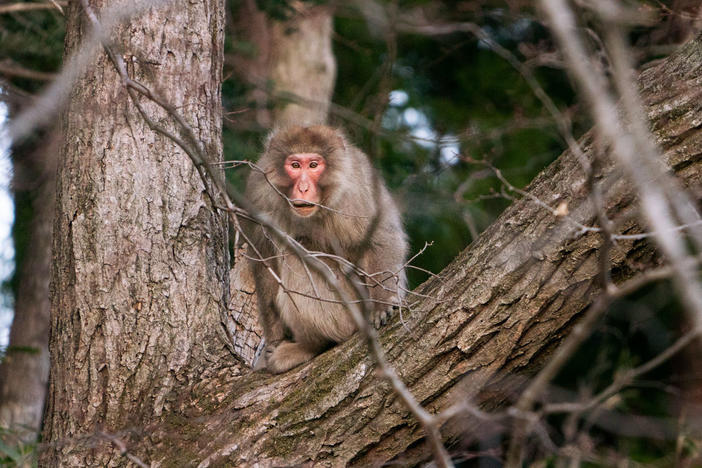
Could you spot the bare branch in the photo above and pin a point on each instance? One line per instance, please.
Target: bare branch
(122, 447)
(29, 6)
(7, 67)
(633, 149)
(54, 97)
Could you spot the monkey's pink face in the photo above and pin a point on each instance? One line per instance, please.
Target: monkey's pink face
(304, 170)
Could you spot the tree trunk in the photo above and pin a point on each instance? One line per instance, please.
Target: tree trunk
(140, 266)
(303, 66)
(140, 271)
(293, 61)
(24, 373)
(496, 313)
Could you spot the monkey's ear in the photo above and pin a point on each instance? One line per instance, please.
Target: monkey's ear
(336, 136)
(271, 135)
(342, 139)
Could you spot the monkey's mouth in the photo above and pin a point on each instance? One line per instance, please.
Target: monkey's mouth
(304, 208)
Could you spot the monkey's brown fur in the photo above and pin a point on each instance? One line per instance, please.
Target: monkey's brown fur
(358, 221)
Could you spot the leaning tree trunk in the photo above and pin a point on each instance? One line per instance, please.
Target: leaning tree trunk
(139, 279)
(24, 372)
(497, 312)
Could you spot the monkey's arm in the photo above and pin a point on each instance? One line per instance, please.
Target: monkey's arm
(384, 263)
(273, 328)
(268, 314)
(262, 262)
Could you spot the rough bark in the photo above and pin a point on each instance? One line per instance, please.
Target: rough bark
(24, 372)
(497, 312)
(140, 268)
(245, 333)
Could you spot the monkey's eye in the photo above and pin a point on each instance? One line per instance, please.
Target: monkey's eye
(295, 165)
(314, 164)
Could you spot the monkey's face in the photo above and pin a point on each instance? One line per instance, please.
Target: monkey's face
(304, 171)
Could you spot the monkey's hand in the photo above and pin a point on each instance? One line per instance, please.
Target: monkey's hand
(381, 315)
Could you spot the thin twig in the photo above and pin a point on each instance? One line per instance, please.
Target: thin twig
(122, 447)
(631, 150)
(30, 6)
(12, 69)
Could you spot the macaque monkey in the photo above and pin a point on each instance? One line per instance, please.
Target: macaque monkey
(323, 192)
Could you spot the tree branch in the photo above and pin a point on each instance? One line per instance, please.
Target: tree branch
(507, 301)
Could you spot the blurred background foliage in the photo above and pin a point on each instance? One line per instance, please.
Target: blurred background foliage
(427, 101)
(422, 108)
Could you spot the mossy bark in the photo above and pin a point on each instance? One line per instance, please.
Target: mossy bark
(140, 285)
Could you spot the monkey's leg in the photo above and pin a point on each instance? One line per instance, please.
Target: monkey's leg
(287, 355)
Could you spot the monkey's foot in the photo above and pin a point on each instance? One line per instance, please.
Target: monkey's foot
(381, 316)
(287, 355)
